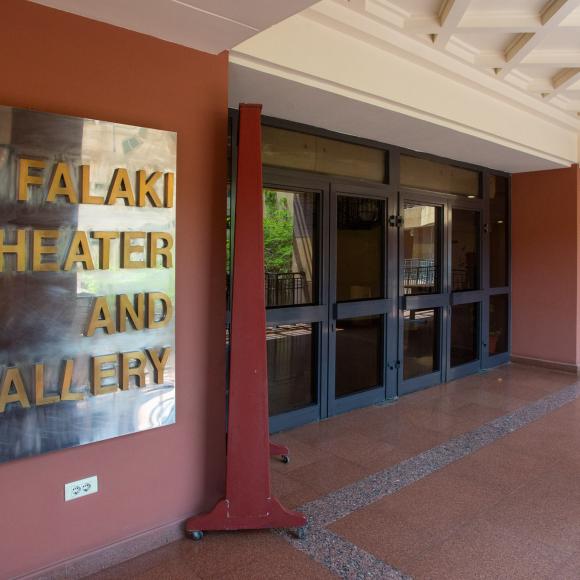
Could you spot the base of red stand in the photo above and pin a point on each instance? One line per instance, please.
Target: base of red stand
(280, 450)
(220, 518)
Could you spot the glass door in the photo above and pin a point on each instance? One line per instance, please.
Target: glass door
(423, 288)
(296, 304)
(441, 288)
(466, 297)
(497, 331)
(361, 291)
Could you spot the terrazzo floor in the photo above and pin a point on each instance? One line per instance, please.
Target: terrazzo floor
(477, 478)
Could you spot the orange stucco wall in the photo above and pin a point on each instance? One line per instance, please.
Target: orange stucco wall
(578, 264)
(545, 269)
(57, 62)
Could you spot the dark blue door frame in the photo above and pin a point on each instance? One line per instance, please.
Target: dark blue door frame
(382, 306)
(392, 304)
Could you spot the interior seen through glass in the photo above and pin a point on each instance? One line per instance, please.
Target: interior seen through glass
(498, 323)
(421, 229)
(359, 248)
(464, 333)
(465, 249)
(290, 235)
(421, 173)
(295, 150)
(291, 359)
(498, 238)
(421, 342)
(358, 354)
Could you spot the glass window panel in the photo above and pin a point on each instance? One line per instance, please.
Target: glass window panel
(421, 342)
(283, 148)
(359, 248)
(358, 354)
(291, 363)
(436, 176)
(465, 249)
(498, 324)
(498, 237)
(290, 247)
(421, 234)
(464, 334)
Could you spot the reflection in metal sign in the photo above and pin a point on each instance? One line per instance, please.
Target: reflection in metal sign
(87, 281)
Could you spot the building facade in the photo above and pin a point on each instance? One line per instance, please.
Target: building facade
(421, 220)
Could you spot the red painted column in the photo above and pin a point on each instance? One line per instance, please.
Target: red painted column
(545, 232)
(248, 503)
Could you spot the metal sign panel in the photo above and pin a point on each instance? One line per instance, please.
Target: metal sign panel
(87, 281)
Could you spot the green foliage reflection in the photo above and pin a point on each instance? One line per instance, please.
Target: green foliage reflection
(278, 233)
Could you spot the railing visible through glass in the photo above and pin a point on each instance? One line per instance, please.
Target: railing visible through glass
(290, 242)
(421, 232)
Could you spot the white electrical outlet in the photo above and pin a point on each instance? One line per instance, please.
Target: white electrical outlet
(81, 488)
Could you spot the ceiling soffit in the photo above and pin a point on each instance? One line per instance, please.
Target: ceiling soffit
(532, 46)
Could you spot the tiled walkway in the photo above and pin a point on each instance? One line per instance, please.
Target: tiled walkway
(477, 479)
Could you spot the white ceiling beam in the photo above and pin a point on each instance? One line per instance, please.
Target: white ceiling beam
(573, 21)
(490, 59)
(384, 11)
(462, 49)
(496, 59)
(518, 79)
(564, 58)
(557, 10)
(501, 22)
(540, 86)
(450, 15)
(423, 24)
(477, 22)
(523, 45)
(562, 81)
(571, 106)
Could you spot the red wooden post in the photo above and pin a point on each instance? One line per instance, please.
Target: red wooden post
(248, 503)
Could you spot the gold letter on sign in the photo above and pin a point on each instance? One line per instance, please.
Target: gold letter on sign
(24, 177)
(19, 248)
(126, 310)
(129, 249)
(39, 398)
(121, 188)
(39, 250)
(169, 188)
(167, 308)
(99, 373)
(137, 371)
(86, 196)
(79, 242)
(145, 188)
(101, 317)
(61, 185)
(105, 253)
(13, 378)
(159, 363)
(164, 251)
(65, 393)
